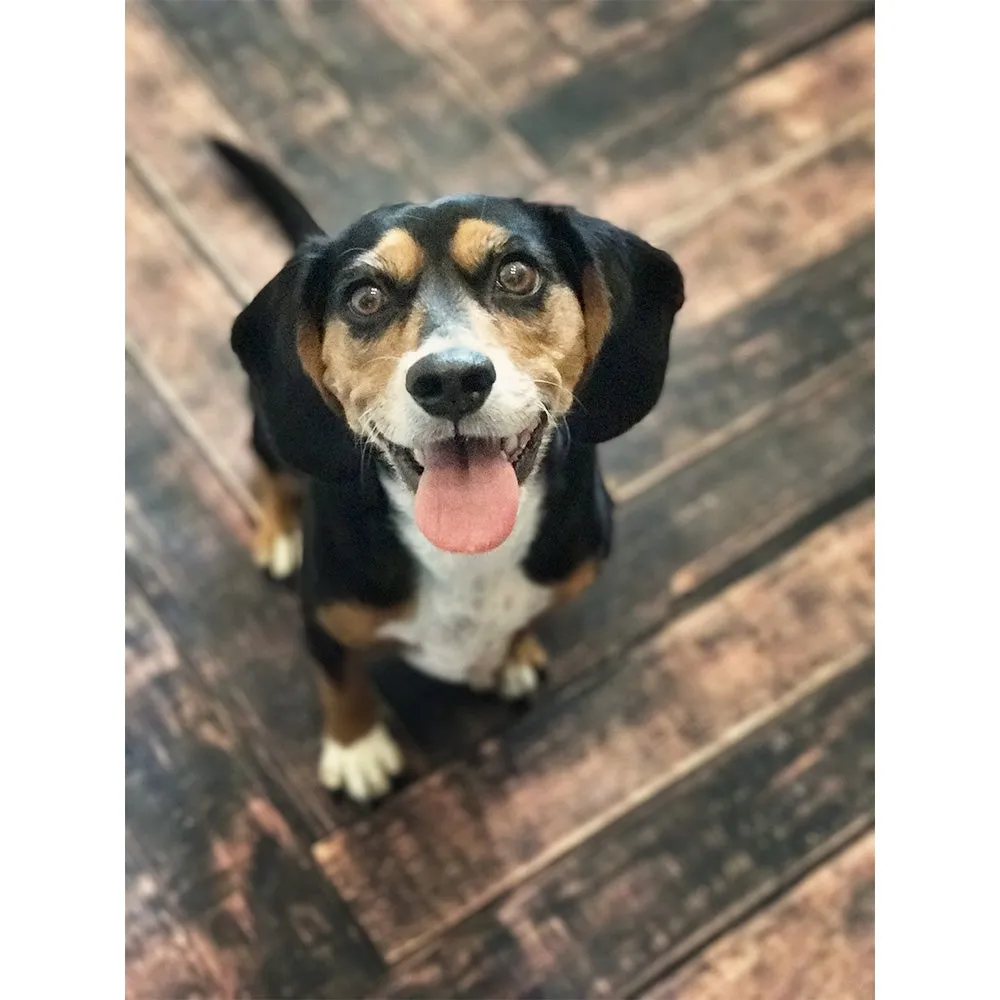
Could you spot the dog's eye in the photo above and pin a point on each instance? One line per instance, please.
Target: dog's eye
(518, 277)
(366, 300)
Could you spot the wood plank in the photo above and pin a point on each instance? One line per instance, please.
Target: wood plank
(670, 74)
(664, 184)
(442, 849)
(505, 53)
(818, 941)
(570, 78)
(163, 957)
(719, 507)
(220, 868)
(261, 70)
(369, 112)
(169, 110)
(178, 315)
(829, 200)
(678, 868)
(757, 326)
(241, 633)
(435, 99)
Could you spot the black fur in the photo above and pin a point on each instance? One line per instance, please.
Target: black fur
(352, 550)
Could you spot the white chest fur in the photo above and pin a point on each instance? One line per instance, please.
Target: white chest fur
(468, 608)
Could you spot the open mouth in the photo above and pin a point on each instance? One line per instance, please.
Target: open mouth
(466, 487)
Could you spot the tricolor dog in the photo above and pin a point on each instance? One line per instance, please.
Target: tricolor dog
(429, 387)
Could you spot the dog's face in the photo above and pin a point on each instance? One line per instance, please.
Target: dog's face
(453, 336)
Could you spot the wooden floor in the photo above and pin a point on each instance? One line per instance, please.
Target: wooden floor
(688, 810)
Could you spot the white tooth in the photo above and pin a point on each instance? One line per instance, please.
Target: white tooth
(523, 439)
(418, 456)
(510, 444)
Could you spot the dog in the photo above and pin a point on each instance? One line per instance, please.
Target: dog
(428, 390)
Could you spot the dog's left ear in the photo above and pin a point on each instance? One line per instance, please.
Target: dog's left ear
(630, 292)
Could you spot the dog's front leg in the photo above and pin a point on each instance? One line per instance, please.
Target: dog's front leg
(358, 754)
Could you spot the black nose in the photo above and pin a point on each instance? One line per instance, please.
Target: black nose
(451, 383)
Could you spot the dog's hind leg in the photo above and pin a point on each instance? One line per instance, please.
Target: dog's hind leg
(277, 540)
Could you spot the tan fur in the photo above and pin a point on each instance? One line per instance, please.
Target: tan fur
(309, 345)
(356, 372)
(475, 240)
(351, 373)
(596, 310)
(397, 254)
(575, 584)
(554, 346)
(355, 625)
(350, 707)
(549, 345)
(280, 498)
(528, 650)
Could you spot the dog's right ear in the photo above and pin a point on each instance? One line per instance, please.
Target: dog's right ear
(278, 339)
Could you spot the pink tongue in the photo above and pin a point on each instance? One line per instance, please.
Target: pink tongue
(467, 497)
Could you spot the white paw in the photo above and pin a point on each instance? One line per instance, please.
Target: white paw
(365, 768)
(517, 681)
(283, 556)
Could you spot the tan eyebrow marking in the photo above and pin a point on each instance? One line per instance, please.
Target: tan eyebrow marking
(474, 241)
(398, 254)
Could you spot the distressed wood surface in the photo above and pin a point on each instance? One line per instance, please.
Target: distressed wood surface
(168, 113)
(818, 941)
(177, 318)
(670, 818)
(746, 137)
(677, 868)
(441, 849)
(222, 897)
(587, 75)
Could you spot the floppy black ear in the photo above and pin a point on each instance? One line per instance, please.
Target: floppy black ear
(277, 339)
(630, 292)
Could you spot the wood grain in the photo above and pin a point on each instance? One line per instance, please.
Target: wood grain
(818, 941)
(178, 315)
(366, 110)
(812, 313)
(742, 251)
(162, 956)
(570, 78)
(718, 507)
(278, 88)
(678, 868)
(441, 849)
(214, 871)
(747, 136)
(169, 112)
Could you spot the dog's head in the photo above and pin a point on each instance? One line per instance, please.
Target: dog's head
(452, 337)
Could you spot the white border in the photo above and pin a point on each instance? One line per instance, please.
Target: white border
(62, 422)
(62, 426)
(938, 557)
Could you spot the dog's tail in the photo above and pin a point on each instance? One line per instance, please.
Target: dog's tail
(271, 192)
